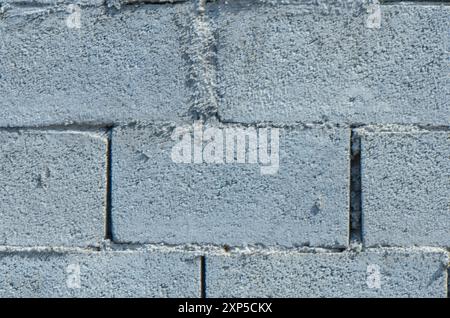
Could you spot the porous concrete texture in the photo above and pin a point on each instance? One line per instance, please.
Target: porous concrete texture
(99, 274)
(116, 67)
(53, 187)
(156, 200)
(307, 61)
(373, 273)
(103, 193)
(405, 179)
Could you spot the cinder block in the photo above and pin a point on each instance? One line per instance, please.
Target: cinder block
(373, 273)
(53, 188)
(303, 61)
(107, 66)
(405, 187)
(99, 274)
(304, 201)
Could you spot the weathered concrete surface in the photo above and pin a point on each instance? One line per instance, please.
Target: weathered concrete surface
(118, 66)
(308, 67)
(52, 188)
(99, 274)
(373, 273)
(405, 187)
(287, 61)
(304, 203)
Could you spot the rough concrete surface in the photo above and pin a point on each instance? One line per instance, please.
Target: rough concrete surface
(52, 187)
(99, 274)
(287, 61)
(373, 273)
(226, 148)
(116, 67)
(305, 203)
(405, 187)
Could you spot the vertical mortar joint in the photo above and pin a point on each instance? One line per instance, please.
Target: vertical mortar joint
(108, 200)
(355, 226)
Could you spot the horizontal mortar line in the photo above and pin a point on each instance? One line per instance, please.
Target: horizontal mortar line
(62, 6)
(227, 248)
(53, 7)
(266, 248)
(381, 2)
(39, 4)
(318, 124)
(415, 2)
(399, 127)
(126, 247)
(60, 127)
(328, 123)
(153, 1)
(199, 250)
(91, 127)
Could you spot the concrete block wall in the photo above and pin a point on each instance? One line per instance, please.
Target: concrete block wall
(96, 95)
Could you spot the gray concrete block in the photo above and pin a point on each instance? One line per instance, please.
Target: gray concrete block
(373, 273)
(405, 187)
(114, 66)
(53, 188)
(99, 274)
(304, 202)
(295, 61)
